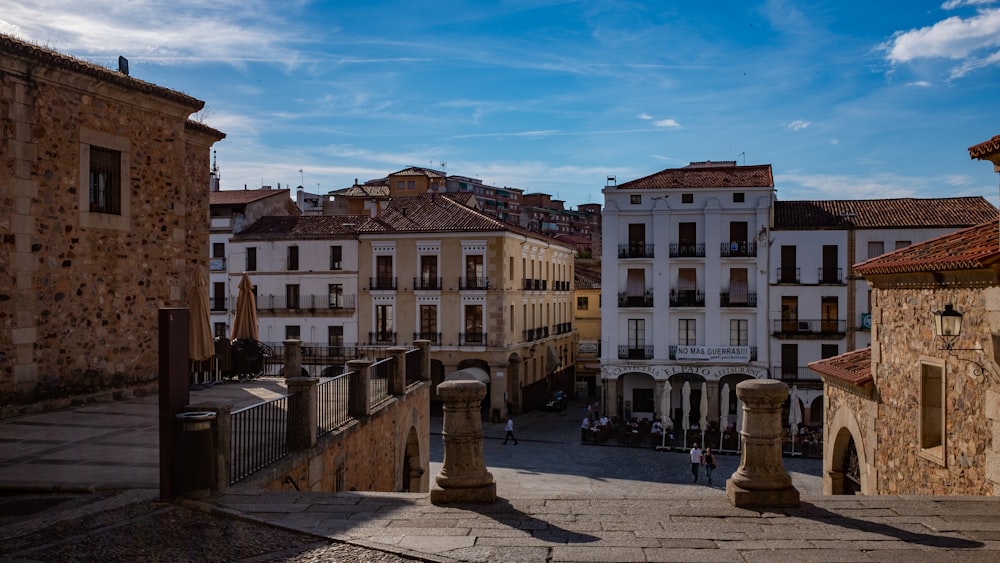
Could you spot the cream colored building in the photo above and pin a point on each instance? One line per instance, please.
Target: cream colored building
(487, 295)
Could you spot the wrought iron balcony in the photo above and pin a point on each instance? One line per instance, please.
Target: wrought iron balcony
(637, 249)
(687, 298)
(678, 250)
(738, 249)
(790, 328)
(380, 337)
(427, 283)
(788, 275)
(831, 275)
(434, 337)
(473, 283)
(631, 352)
(644, 300)
(472, 339)
(382, 282)
(748, 299)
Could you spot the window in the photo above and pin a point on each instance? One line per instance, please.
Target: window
(687, 198)
(428, 273)
(582, 303)
(429, 323)
(636, 334)
(218, 250)
(474, 323)
(252, 259)
(828, 314)
(475, 275)
(335, 336)
(789, 361)
(828, 351)
(830, 272)
(336, 293)
(635, 199)
(383, 323)
(902, 244)
(875, 248)
(105, 181)
(739, 332)
(220, 331)
(511, 268)
(686, 334)
(739, 293)
(336, 257)
(293, 332)
(790, 314)
(739, 197)
(738, 231)
(383, 273)
(292, 296)
(293, 257)
(788, 272)
(219, 296)
(932, 412)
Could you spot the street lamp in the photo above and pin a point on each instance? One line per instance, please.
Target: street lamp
(948, 326)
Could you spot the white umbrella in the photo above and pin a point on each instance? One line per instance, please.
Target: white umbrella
(724, 413)
(704, 406)
(665, 405)
(724, 409)
(685, 405)
(739, 417)
(794, 415)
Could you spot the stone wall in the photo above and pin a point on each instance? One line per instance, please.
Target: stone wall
(366, 455)
(80, 291)
(905, 336)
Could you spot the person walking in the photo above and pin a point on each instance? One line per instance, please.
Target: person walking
(695, 461)
(510, 431)
(708, 460)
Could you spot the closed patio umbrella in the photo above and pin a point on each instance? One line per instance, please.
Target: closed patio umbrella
(703, 408)
(665, 405)
(794, 416)
(685, 406)
(245, 320)
(201, 344)
(724, 413)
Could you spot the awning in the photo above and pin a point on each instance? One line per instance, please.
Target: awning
(738, 286)
(475, 374)
(635, 283)
(687, 279)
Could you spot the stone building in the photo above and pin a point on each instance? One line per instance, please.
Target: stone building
(104, 184)
(919, 411)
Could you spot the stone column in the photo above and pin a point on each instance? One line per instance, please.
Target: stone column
(463, 477)
(397, 379)
(761, 480)
(359, 388)
(302, 413)
(425, 358)
(293, 358)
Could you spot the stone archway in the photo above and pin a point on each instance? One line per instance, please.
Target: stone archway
(412, 471)
(845, 461)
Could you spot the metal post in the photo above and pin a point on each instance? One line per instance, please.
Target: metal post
(174, 392)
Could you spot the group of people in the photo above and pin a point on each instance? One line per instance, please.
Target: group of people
(702, 459)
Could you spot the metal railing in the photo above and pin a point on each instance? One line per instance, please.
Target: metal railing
(331, 403)
(644, 300)
(831, 275)
(788, 275)
(473, 283)
(413, 366)
(308, 302)
(382, 282)
(381, 372)
(738, 249)
(318, 360)
(678, 250)
(472, 339)
(626, 352)
(260, 437)
(687, 298)
(725, 300)
(426, 283)
(787, 327)
(635, 250)
(434, 337)
(382, 338)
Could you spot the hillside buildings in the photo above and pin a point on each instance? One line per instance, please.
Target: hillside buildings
(104, 219)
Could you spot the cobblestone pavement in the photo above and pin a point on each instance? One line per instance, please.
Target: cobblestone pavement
(132, 526)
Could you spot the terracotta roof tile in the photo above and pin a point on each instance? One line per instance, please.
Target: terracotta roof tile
(901, 213)
(425, 212)
(366, 190)
(969, 249)
(305, 226)
(418, 171)
(854, 368)
(236, 197)
(705, 176)
(985, 149)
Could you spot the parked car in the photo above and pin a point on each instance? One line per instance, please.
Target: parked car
(556, 401)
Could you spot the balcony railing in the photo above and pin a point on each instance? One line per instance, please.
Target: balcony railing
(748, 299)
(427, 283)
(687, 298)
(382, 338)
(636, 249)
(305, 302)
(536, 333)
(788, 275)
(472, 339)
(434, 337)
(793, 373)
(627, 352)
(738, 249)
(563, 328)
(218, 303)
(560, 286)
(535, 285)
(382, 282)
(678, 250)
(831, 275)
(474, 283)
(803, 327)
(644, 300)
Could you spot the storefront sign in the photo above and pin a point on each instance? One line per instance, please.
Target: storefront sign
(713, 353)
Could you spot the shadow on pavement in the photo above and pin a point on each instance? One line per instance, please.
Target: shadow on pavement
(503, 512)
(813, 512)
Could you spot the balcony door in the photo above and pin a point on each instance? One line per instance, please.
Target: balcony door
(789, 313)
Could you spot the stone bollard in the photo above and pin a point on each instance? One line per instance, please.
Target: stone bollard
(761, 479)
(463, 477)
(302, 412)
(293, 358)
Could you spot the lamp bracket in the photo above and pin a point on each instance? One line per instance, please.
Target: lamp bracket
(981, 369)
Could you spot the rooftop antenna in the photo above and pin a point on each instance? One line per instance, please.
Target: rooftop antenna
(744, 155)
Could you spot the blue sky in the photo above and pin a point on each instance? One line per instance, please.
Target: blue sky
(845, 99)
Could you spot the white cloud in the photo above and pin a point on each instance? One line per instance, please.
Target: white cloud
(671, 123)
(974, 41)
(798, 185)
(919, 84)
(834, 141)
(645, 116)
(952, 4)
(799, 124)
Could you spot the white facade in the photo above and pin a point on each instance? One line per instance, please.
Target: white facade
(684, 298)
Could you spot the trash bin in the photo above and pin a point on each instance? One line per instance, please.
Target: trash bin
(196, 453)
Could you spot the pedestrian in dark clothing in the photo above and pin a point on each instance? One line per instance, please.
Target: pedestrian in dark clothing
(510, 431)
(708, 460)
